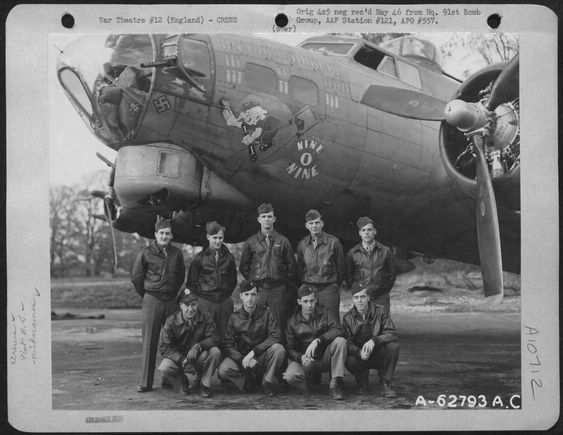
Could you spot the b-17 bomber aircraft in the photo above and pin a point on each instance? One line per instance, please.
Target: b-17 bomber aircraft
(207, 126)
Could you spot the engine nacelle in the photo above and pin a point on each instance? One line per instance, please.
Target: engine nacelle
(166, 177)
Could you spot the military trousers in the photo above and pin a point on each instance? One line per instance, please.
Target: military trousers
(219, 311)
(153, 315)
(204, 365)
(333, 360)
(384, 359)
(329, 298)
(382, 300)
(269, 364)
(274, 296)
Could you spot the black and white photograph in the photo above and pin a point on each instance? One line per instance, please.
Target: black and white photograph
(282, 223)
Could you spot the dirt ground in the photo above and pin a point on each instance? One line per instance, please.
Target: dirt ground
(96, 366)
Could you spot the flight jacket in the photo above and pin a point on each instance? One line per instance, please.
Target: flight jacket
(158, 273)
(322, 265)
(267, 264)
(212, 280)
(377, 326)
(301, 332)
(177, 337)
(378, 270)
(245, 332)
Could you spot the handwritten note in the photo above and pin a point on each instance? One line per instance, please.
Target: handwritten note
(23, 331)
(533, 358)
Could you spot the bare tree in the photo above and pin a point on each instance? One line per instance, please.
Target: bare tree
(379, 38)
(479, 50)
(63, 224)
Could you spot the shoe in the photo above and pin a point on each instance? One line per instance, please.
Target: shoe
(165, 384)
(249, 383)
(362, 382)
(205, 392)
(196, 385)
(283, 384)
(142, 389)
(267, 389)
(316, 378)
(336, 393)
(387, 391)
(185, 385)
(308, 386)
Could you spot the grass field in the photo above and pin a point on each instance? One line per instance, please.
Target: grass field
(443, 286)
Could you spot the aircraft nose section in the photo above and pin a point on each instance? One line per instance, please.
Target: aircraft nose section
(105, 81)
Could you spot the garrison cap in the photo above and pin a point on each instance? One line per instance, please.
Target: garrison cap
(247, 285)
(305, 290)
(187, 297)
(357, 287)
(163, 223)
(213, 228)
(265, 207)
(363, 221)
(312, 215)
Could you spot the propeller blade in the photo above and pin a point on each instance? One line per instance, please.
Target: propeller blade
(506, 86)
(112, 231)
(488, 233)
(405, 103)
(97, 193)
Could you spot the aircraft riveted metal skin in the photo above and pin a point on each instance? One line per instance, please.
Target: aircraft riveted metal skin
(208, 125)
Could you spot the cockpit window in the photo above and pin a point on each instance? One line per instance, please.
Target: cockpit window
(415, 48)
(259, 78)
(130, 50)
(123, 85)
(196, 61)
(329, 48)
(375, 59)
(409, 74)
(75, 87)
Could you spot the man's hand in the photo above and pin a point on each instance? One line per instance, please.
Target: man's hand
(305, 360)
(367, 349)
(193, 353)
(310, 352)
(248, 361)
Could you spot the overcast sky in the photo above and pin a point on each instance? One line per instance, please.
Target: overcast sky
(72, 148)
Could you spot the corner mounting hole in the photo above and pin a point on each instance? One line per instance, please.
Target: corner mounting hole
(67, 21)
(493, 21)
(281, 20)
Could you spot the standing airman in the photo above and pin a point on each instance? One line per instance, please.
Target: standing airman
(321, 263)
(212, 276)
(371, 263)
(268, 260)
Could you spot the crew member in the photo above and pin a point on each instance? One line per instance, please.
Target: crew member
(372, 341)
(371, 263)
(252, 344)
(157, 275)
(268, 260)
(212, 276)
(189, 344)
(315, 344)
(321, 263)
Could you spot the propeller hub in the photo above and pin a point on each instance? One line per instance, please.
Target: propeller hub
(466, 116)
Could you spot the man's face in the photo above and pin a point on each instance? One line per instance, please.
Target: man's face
(188, 310)
(249, 299)
(216, 240)
(266, 220)
(163, 236)
(315, 226)
(367, 233)
(361, 300)
(308, 303)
